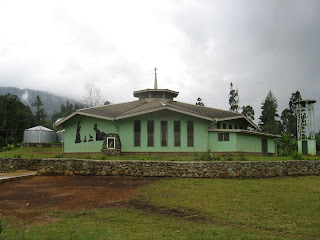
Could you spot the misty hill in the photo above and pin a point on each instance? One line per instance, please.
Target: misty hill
(51, 102)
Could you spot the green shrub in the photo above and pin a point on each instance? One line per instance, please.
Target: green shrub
(88, 156)
(58, 156)
(1, 227)
(280, 152)
(242, 157)
(296, 156)
(102, 157)
(206, 156)
(216, 158)
(2, 142)
(17, 155)
(228, 157)
(9, 147)
(196, 156)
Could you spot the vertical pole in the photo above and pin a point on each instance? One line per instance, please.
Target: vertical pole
(312, 121)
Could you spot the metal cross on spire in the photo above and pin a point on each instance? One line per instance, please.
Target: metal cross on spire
(155, 78)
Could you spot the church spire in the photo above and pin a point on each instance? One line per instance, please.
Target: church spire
(155, 78)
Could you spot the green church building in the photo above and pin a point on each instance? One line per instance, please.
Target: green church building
(156, 124)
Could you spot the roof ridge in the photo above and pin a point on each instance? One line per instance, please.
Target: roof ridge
(209, 108)
(105, 106)
(145, 103)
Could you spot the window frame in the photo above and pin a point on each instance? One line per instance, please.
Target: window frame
(114, 142)
(223, 137)
(177, 134)
(137, 134)
(150, 134)
(162, 133)
(190, 130)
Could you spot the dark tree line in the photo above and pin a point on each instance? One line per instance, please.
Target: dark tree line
(271, 122)
(15, 117)
(65, 110)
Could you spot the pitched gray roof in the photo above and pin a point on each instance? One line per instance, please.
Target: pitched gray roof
(134, 108)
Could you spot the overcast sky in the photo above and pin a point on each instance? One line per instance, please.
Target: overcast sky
(198, 46)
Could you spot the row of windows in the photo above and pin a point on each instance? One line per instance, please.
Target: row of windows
(224, 126)
(164, 133)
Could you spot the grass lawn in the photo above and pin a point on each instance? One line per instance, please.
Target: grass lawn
(51, 152)
(31, 152)
(277, 208)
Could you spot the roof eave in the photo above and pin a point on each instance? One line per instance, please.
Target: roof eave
(243, 131)
(238, 117)
(163, 108)
(81, 113)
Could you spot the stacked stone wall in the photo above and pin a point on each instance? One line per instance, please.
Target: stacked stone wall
(223, 169)
(12, 164)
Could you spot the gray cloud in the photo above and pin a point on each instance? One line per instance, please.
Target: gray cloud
(258, 45)
(198, 46)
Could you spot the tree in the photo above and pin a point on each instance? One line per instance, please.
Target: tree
(40, 114)
(269, 122)
(289, 115)
(233, 99)
(107, 103)
(248, 112)
(199, 102)
(15, 117)
(92, 97)
(286, 145)
(318, 142)
(65, 110)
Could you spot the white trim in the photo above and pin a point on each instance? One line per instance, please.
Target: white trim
(243, 131)
(81, 113)
(238, 117)
(114, 142)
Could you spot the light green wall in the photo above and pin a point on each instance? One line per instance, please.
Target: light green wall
(200, 133)
(272, 146)
(87, 124)
(311, 146)
(225, 146)
(252, 143)
(239, 142)
(203, 140)
(249, 143)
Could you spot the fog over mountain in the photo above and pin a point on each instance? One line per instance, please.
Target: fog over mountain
(51, 102)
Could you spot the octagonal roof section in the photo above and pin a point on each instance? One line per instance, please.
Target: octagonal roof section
(155, 93)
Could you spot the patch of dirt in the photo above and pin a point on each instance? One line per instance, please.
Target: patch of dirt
(36, 199)
(168, 212)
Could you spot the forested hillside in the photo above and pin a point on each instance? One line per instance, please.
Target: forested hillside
(51, 102)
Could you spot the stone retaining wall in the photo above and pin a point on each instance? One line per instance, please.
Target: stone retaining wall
(217, 169)
(12, 164)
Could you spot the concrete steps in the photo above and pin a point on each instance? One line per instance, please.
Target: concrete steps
(34, 167)
(16, 175)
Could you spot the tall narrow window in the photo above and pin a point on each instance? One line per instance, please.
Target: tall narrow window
(150, 133)
(137, 133)
(177, 134)
(164, 133)
(190, 130)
